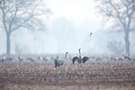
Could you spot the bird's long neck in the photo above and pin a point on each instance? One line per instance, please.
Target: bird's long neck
(80, 53)
(66, 54)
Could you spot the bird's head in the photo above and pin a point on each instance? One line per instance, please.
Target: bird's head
(66, 53)
(79, 49)
(90, 34)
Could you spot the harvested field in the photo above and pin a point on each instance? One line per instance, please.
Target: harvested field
(115, 75)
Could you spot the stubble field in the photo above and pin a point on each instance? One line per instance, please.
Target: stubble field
(116, 75)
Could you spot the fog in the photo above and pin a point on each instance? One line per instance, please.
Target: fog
(68, 28)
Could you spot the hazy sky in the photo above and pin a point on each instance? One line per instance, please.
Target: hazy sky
(69, 26)
(84, 18)
(72, 8)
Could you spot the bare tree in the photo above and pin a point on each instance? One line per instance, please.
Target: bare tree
(18, 14)
(123, 12)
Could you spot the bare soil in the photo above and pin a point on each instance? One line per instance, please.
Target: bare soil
(116, 75)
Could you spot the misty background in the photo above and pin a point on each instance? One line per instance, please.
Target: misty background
(67, 28)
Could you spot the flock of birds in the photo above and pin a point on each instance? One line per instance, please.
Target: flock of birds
(58, 62)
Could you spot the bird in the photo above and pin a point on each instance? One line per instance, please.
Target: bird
(31, 59)
(90, 34)
(80, 59)
(2, 59)
(84, 59)
(66, 55)
(127, 58)
(58, 62)
(74, 59)
(20, 58)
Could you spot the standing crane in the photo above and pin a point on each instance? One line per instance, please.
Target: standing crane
(80, 59)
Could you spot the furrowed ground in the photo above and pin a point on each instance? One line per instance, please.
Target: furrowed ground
(116, 75)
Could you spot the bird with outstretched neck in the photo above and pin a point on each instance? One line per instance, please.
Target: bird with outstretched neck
(80, 59)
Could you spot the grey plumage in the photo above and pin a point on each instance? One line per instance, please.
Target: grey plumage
(58, 62)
